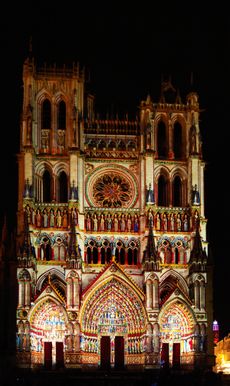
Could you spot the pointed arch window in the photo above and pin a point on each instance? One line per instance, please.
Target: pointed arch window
(135, 256)
(177, 141)
(95, 255)
(46, 179)
(103, 255)
(177, 256)
(46, 114)
(122, 256)
(61, 116)
(59, 250)
(162, 191)
(102, 144)
(62, 187)
(177, 192)
(109, 255)
(88, 253)
(162, 143)
(46, 250)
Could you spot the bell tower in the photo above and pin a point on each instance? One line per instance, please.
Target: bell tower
(112, 242)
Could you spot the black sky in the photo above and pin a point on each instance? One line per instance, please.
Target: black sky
(126, 49)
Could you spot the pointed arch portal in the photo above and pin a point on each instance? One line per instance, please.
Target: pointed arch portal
(177, 333)
(113, 316)
(47, 325)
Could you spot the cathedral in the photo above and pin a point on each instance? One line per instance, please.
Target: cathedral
(112, 263)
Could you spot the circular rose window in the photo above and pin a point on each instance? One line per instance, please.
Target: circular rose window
(112, 190)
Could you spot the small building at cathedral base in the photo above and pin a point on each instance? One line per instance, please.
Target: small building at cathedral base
(222, 353)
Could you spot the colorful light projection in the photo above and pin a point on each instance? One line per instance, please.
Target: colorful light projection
(112, 191)
(177, 325)
(113, 309)
(111, 188)
(48, 323)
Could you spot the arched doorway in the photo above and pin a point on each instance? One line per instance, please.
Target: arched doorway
(177, 334)
(113, 322)
(47, 325)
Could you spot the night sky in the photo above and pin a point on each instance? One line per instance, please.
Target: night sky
(126, 52)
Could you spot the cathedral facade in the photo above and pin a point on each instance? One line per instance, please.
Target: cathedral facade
(112, 268)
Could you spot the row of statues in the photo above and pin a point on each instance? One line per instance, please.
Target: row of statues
(50, 217)
(115, 222)
(173, 221)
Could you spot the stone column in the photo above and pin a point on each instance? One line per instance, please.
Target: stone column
(69, 300)
(202, 295)
(197, 294)
(20, 294)
(155, 294)
(149, 294)
(27, 293)
(75, 292)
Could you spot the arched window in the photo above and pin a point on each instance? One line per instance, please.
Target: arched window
(61, 116)
(102, 255)
(46, 179)
(162, 143)
(131, 145)
(59, 250)
(121, 145)
(130, 256)
(102, 144)
(62, 187)
(177, 141)
(117, 255)
(95, 255)
(168, 255)
(88, 252)
(111, 145)
(46, 114)
(162, 191)
(46, 250)
(109, 255)
(177, 192)
(122, 256)
(176, 256)
(135, 255)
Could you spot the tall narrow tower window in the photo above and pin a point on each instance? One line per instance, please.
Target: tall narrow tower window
(61, 118)
(162, 145)
(177, 192)
(177, 141)
(46, 115)
(46, 179)
(162, 191)
(63, 187)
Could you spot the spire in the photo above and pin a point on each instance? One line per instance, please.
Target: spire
(27, 255)
(74, 258)
(151, 258)
(168, 92)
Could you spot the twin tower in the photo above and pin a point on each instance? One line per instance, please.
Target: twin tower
(113, 268)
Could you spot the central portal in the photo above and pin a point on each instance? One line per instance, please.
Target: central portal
(112, 352)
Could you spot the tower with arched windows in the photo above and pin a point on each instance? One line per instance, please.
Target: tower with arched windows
(113, 267)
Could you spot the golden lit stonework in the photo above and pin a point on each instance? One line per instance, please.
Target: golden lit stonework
(111, 267)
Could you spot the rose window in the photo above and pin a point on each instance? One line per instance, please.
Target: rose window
(112, 191)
